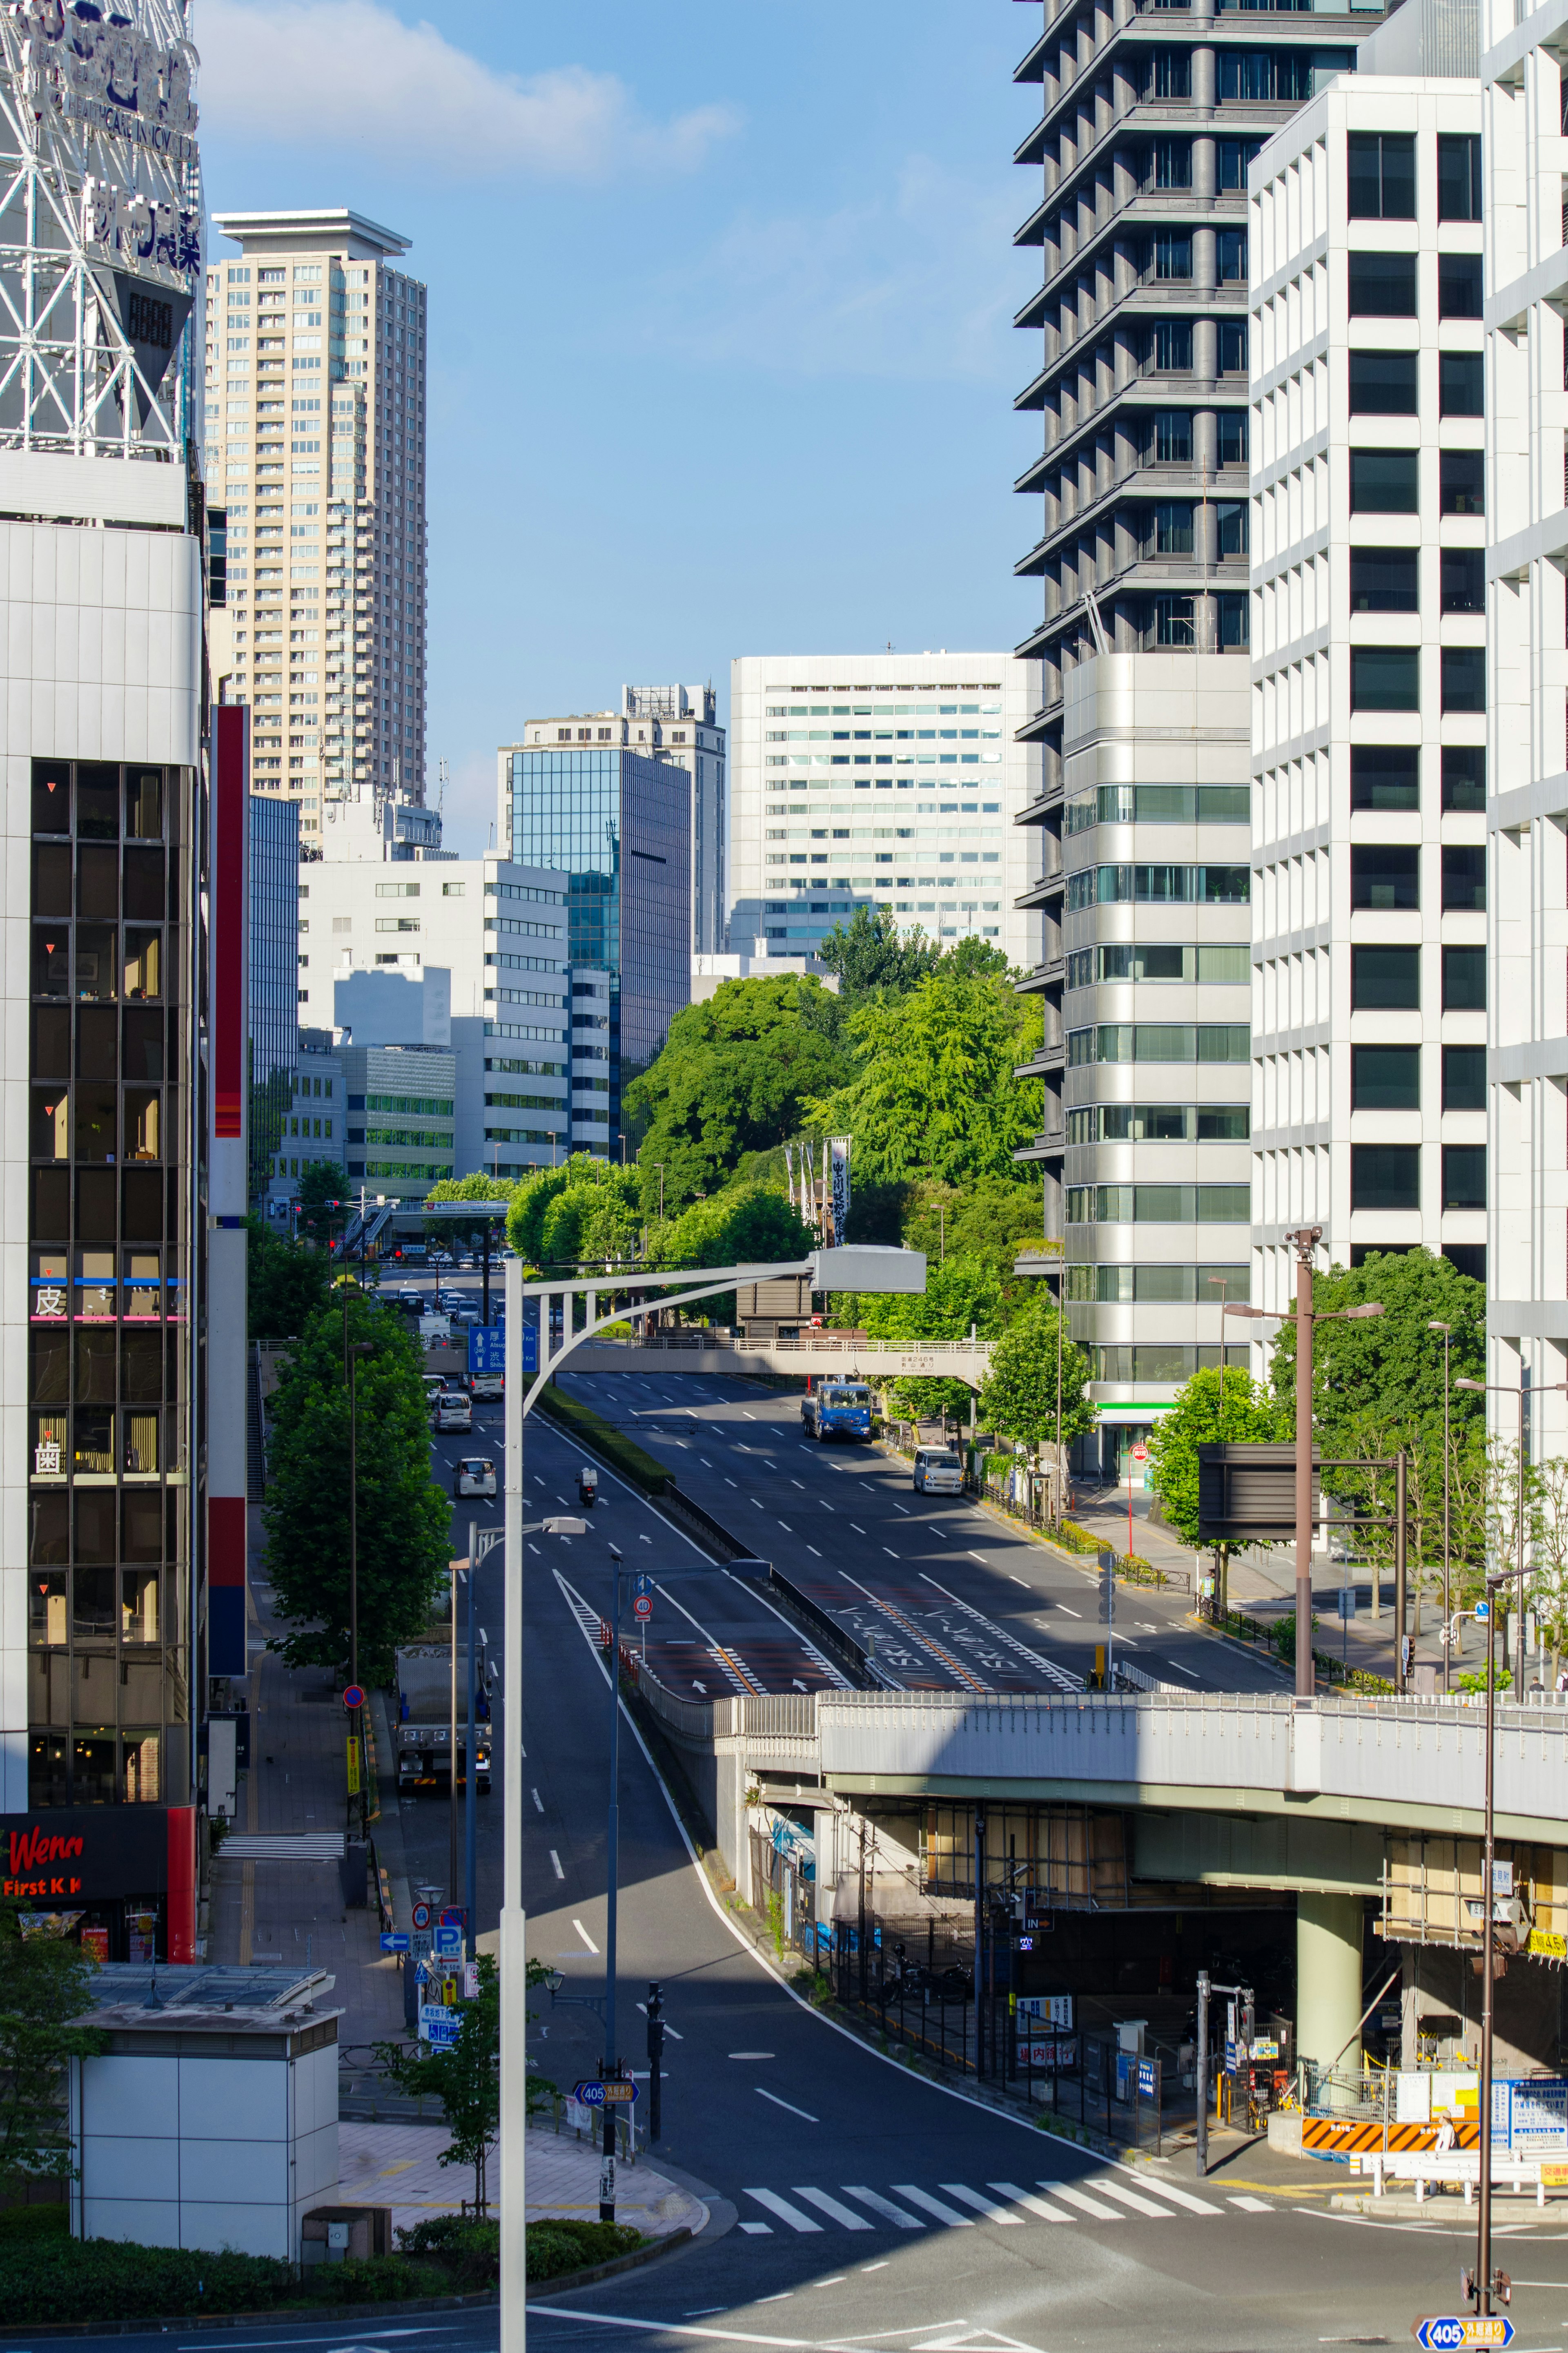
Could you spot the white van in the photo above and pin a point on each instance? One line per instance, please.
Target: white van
(938, 1472)
(454, 1409)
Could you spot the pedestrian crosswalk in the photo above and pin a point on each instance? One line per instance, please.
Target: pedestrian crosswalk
(961, 2205)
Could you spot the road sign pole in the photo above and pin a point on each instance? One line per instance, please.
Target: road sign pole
(514, 2133)
(612, 2056)
(472, 1775)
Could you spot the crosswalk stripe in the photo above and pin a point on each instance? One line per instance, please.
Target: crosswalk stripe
(844, 2214)
(1163, 2189)
(1130, 2198)
(948, 2214)
(782, 2208)
(1251, 2205)
(885, 2207)
(1025, 2197)
(986, 2206)
(1082, 2198)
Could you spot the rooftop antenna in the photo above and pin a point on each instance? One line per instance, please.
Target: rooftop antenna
(441, 774)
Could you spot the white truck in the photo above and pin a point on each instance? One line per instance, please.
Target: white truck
(423, 1731)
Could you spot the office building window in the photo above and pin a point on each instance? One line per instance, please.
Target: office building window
(1464, 980)
(1385, 1078)
(1386, 979)
(1386, 1176)
(1464, 1077)
(1464, 777)
(1463, 1175)
(1460, 383)
(1386, 481)
(1464, 671)
(1382, 285)
(1461, 482)
(1458, 177)
(1386, 875)
(1386, 776)
(1380, 173)
(1384, 384)
(1463, 575)
(1459, 286)
(1465, 876)
(1385, 579)
(1386, 678)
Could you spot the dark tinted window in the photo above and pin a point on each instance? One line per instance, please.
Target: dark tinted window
(1463, 1175)
(1385, 579)
(1386, 481)
(1464, 876)
(1232, 157)
(1384, 384)
(51, 797)
(1386, 776)
(1459, 286)
(1463, 573)
(1464, 980)
(1464, 1077)
(1385, 980)
(1233, 347)
(1461, 482)
(1386, 1176)
(1458, 177)
(1234, 438)
(1382, 285)
(1385, 1078)
(1386, 678)
(1385, 874)
(1464, 677)
(1381, 175)
(1460, 381)
(1464, 777)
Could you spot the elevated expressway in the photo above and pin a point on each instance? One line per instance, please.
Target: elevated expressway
(1165, 1799)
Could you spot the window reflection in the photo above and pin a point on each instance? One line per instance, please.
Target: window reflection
(95, 1282)
(51, 1123)
(95, 1124)
(50, 961)
(46, 1607)
(93, 1453)
(141, 1125)
(143, 964)
(139, 1605)
(95, 956)
(143, 1291)
(92, 1769)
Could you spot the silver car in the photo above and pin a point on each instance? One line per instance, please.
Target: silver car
(474, 1476)
(938, 1472)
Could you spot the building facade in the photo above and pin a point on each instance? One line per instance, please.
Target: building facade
(1369, 742)
(312, 1125)
(400, 1114)
(315, 393)
(613, 824)
(1526, 276)
(1149, 121)
(274, 958)
(881, 780)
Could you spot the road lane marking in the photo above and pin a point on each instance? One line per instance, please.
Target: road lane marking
(1130, 2198)
(1185, 2197)
(1066, 1612)
(1085, 2204)
(785, 2103)
(902, 1507)
(837, 2212)
(583, 1934)
(786, 1527)
(948, 2214)
(753, 2054)
(885, 2207)
(986, 2206)
(555, 1862)
(1017, 1580)
(800, 1484)
(538, 1800)
(1025, 2197)
(782, 2208)
(1251, 2205)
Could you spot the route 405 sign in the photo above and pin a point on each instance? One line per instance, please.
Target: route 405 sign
(1451, 2332)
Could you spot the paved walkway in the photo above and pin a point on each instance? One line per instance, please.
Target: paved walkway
(400, 2166)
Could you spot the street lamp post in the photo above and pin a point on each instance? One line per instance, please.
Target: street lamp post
(1447, 1332)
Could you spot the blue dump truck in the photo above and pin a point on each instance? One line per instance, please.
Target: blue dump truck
(837, 1409)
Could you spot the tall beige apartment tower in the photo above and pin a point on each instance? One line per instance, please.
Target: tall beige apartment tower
(315, 406)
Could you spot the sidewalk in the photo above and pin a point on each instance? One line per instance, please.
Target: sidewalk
(292, 1912)
(400, 2166)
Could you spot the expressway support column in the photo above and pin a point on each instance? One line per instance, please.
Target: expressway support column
(1329, 1930)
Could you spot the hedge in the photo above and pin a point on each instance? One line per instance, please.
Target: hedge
(624, 1453)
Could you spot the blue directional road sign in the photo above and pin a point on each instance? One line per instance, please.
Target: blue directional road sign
(486, 1347)
(395, 1940)
(595, 2095)
(1455, 2332)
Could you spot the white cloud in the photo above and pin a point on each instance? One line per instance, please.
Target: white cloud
(917, 282)
(351, 74)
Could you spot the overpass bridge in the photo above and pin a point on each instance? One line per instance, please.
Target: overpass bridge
(821, 1351)
(1171, 1801)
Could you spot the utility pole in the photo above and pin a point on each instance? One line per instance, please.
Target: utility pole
(1203, 2075)
(1447, 1332)
(1306, 1239)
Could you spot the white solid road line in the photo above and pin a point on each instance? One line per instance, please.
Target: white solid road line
(885, 2207)
(948, 2214)
(832, 2207)
(1026, 2198)
(785, 2103)
(538, 1800)
(555, 1862)
(583, 1934)
(782, 2208)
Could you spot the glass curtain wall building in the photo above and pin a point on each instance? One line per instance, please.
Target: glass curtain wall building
(618, 827)
(1149, 119)
(274, 1027)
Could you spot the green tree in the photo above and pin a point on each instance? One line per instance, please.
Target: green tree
(990, 1218)
(532, 1195)
(404, 1536)
(284, 1285)
(322, 1200)
(962, 1290)
(476, 1187)
(1213, 1407)
(44, 1983)
(746, 1225)
(872, 953)
(1387, 1368)
(734, 1075)
(594, 1222)
(1019, 1398)
(934, 1091)
(465, 2079)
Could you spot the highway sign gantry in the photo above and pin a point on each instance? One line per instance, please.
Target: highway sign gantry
(1457, 2332)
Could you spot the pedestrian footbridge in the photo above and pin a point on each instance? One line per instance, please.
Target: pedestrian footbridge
(816, 1352)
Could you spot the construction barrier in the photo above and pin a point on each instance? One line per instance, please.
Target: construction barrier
(1334, 2137)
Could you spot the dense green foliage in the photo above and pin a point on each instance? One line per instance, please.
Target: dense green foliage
(1019, 1399)
(734, 1077)
(584, 1213)
(284, 1285)
(450, 1234)
(872, 952)
(44, 1983)
(1212, 1407)
(323, 1202)
(403, 1518)
(557, 2247)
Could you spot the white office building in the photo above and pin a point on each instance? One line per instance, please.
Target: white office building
(883, 780)
(315, 390)
(401, 944)
(1369, 667)
(1523, 89)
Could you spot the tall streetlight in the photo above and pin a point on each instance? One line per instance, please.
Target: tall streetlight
(1447, 1332)
(1483, 2284)
(1546, 1388)
(1306, 1239)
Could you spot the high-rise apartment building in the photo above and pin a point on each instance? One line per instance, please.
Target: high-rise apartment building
(614, 822)
(1369, 737)
(883, 780)
(1526, 282)
(106, 1641)
(274, 955)
(1150, 119)
(315, 393)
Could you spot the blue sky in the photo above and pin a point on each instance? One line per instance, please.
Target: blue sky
(720, 352)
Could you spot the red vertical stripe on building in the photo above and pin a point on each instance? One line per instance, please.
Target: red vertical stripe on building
(230, 784)
(225, 1543)
(180, 1939)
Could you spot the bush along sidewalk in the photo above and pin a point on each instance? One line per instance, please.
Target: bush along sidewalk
(52, 2279)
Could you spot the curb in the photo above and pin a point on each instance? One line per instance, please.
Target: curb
(272, 2314)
